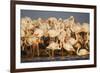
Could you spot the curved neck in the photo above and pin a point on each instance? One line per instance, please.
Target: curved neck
(77, 51)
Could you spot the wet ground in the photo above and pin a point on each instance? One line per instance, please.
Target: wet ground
(58, 58)
(44, 57)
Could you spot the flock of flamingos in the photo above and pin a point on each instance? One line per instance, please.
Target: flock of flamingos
(46, 36)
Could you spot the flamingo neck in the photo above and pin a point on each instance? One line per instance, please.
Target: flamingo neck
(78, 51)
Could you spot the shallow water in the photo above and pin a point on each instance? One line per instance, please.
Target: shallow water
(58, 58)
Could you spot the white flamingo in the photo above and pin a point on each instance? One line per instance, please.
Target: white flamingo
(53, 33)
(34, 40)
(68, 44)
(82, 52)
(53, 46)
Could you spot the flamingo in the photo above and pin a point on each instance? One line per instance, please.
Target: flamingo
(26, 25)
(34, 42)
(68, 44)
(82, 52)
(38, 33)
(82, 49)
(53, 46)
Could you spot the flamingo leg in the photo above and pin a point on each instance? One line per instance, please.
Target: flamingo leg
(61, 50)
(23, 46)
(49, 53)
(38, 52)
(52, 54)
(33, 51)
(62, 53)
